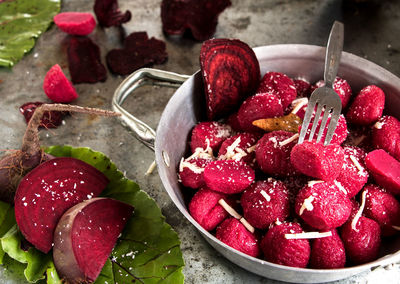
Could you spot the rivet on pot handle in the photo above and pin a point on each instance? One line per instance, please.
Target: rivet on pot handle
(142, 77)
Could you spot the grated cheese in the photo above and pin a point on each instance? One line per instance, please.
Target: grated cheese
(194, 168)
(247, 225)
(290, 139)
(356, 163)
(378, 125)
(236, 215)
(299, 103)
(340, 186)
(151, 168)
(308, 235)
(265, 195)
(396, 228)
(359, 212)
(307, 204)
(312, 182)
(251, 149)
(233, 152)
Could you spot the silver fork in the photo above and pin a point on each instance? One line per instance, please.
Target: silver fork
(325, 97)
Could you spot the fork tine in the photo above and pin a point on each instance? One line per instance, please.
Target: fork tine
(323, 123)
(316, 119)
(306, 120)
(332, 125)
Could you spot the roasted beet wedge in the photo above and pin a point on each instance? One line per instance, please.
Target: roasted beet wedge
(230, 71)
(84, 61)
(108, 13)
(85, 237)
(139, 51)
(46, 192)
(200, 16)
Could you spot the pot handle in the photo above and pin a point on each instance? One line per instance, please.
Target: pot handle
(141, 77)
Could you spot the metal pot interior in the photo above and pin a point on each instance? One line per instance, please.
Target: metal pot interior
(187, 107)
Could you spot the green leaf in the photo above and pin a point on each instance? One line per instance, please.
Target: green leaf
(148, 249)
(21, 22)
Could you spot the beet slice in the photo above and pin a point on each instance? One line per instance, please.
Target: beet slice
(230, 72)
(75, 23)
(85, 237)
(46, 192)
(108, 13)
(50, 119)
(200, 16)
(139, 51)
(84, 61)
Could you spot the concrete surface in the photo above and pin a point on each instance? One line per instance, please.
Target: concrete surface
(369, 32)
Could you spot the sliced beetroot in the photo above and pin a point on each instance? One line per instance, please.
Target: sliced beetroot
(191, 172)
(361, 244)
(50, 119)
(367, 107)
(354, 174)
(280, 250)
(205, 209)
(57, 87)
(318, 161)
(75, 23)
(385, 169)
(234, 234)
(139, 51)
(228, 176)
(386, 135)
(47, 191)
(264, 202)
(209, 134)
(108, 13)
(231, 72)
(261, 105)
(322, 205)
(328, 252)
(84, 61)
(200, 16)
(273, 153)
(239, 148)
(382, 207)
(85, 237)
(341, 87)
(303, 87)
(279, 85)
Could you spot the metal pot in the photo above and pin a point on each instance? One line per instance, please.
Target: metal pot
(186, 108)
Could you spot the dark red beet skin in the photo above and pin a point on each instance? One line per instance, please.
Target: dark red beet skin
(230, 71)
(328, 252)
(85, 237)
(362, 245)
(289, 252)
(47, 191)
(264, 202)
(200, 16)
(139, 51)
(234, 234)
(84, 61)
(108, 13)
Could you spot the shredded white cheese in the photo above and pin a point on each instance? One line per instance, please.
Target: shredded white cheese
(396, 228)
(233, 152)
(359, 212)
(312, 182)
(251, 149)
(378, 125)
(308, 235)
(340, 186)
(307, 204)
(199, 152)
(194, 168)
(151, 168)
(247, 225)
(299, 103)
(265, 195)
(290, 139)
(356, 163)
(236, 215)
(277, 222)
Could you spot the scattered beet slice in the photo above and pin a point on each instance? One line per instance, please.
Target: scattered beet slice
(230, 72)
(50, 119)
(57, 87)
(84, 61)
(75, 23)
(139, 51)
(200, 16)
(108, 13)
(47, 191)
(85, 237)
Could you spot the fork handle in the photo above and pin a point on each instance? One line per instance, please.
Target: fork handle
(333, 53)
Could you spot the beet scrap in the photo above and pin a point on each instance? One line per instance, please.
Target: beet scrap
(50, 119)
(84, 61)
(138, 51)
(57, 87)
(75, 23)
(85, 237)
(47, 191)
(199, 16)
(108, 13)
(230, 72)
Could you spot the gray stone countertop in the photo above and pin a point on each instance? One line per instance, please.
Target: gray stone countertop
(371, 32)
